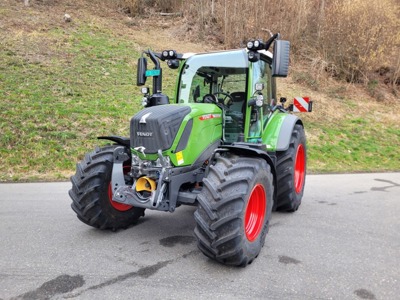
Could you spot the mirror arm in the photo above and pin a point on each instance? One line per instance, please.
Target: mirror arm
(157, 80)
(271, 39)
(153, 59)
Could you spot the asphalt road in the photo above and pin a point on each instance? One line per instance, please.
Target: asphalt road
(343, 243)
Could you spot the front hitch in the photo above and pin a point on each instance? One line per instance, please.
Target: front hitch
(117, 175)
(136, 195)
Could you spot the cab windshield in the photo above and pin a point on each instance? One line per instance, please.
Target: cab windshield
(214, 73)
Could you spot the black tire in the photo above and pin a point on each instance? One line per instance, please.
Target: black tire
(90, 193)
(224, 230)
(291, 172)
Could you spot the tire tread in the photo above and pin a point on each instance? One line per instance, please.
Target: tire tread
(89, 192)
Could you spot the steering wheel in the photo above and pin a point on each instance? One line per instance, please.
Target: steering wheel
(212, 98)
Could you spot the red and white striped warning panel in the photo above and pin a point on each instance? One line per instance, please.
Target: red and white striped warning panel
(302, 104)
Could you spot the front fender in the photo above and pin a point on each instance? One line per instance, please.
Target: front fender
(120, 140)
(255, 150)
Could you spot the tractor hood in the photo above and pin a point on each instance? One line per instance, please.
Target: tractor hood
(180, 131)
(156, 127)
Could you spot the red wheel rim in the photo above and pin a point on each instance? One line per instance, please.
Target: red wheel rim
(255, 213)
(114, 204)
(299, 169)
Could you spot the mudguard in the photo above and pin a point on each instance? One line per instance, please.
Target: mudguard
(278, 131)
(120, 140)
(251, 149)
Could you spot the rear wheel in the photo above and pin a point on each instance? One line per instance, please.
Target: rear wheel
(234, 209)
(291, 172)
(91, 193)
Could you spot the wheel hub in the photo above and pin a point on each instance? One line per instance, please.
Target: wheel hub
(255, 213)
(299, 170)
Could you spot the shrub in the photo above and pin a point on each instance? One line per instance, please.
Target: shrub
(360, 36)
(349, 39)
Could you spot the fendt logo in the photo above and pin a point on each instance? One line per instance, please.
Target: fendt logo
(143, 119)
(146, 134)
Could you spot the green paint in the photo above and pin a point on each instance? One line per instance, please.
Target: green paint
(271, 133)
(206, 129)
(249, 95)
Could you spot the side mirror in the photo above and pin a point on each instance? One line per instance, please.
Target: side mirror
(141, 71)
(280, 65)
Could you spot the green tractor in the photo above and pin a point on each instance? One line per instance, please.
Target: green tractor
(224, 144)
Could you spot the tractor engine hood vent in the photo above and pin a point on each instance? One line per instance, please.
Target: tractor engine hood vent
(156, 127)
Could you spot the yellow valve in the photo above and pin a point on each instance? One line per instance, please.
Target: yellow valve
(145, 184)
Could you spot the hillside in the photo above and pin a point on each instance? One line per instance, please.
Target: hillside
(62, 84)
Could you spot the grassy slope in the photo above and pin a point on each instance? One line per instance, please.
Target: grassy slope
(349, 131)
(63, 84)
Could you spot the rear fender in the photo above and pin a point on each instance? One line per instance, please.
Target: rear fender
(278, 131)
(285, 132)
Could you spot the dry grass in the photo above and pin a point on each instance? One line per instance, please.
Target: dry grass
(350, 39)
(360, 36)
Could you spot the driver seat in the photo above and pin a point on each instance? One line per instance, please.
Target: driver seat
(239, 101)
(234, 126)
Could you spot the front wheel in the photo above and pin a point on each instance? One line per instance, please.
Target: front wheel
(234, 209)
(91, 193)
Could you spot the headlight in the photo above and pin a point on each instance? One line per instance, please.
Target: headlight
(253, 56)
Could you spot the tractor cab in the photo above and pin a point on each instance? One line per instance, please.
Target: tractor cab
(240, 82)
(220, 78)
(229, 80)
